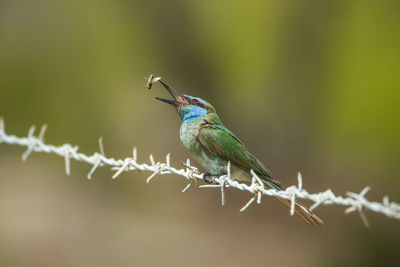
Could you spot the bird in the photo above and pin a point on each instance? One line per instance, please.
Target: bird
(213, 146)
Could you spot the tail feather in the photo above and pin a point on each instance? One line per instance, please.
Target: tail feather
(300, 210)
(303, 213)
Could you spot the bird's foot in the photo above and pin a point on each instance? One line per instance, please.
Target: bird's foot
(209, 178)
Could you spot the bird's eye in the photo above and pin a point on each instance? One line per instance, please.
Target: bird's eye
(195, 101)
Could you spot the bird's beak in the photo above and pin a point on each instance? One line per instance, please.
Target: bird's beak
(178, 98)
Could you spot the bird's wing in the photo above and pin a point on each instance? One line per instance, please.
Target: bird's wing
(223, 143)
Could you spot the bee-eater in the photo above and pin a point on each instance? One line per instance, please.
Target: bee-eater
(212, 145)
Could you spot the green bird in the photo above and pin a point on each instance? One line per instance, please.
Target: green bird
(212, 145)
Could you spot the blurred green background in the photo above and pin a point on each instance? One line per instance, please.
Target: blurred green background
(310, 86)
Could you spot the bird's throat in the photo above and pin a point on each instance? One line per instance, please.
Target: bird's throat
(192, 112)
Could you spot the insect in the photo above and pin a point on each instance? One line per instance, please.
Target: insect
(152, 80)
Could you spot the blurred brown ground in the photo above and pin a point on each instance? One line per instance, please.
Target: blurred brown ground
(309, 86)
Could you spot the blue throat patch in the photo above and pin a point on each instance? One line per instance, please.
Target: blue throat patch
(194, 111)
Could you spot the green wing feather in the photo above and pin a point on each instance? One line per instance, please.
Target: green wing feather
(223, 143)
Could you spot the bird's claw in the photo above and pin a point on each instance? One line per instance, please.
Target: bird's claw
(208, 178)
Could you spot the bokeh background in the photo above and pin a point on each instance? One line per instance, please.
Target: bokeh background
(310, 86)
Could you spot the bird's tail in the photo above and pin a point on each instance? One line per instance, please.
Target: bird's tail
(303, 212)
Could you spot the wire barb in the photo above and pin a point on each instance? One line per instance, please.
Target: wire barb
(31, 145)
(353, 201)
(101, 146)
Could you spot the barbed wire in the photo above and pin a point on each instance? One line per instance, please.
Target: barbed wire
(353, 201)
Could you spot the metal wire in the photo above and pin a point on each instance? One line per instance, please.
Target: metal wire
(353, 201)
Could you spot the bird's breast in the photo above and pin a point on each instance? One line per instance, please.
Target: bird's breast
(188, 133)
(212, 163)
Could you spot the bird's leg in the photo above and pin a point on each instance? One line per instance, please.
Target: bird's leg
(208, 178)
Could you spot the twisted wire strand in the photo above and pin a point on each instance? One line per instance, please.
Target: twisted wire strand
(353, 201)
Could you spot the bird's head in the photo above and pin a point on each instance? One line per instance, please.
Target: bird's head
(188, 107)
